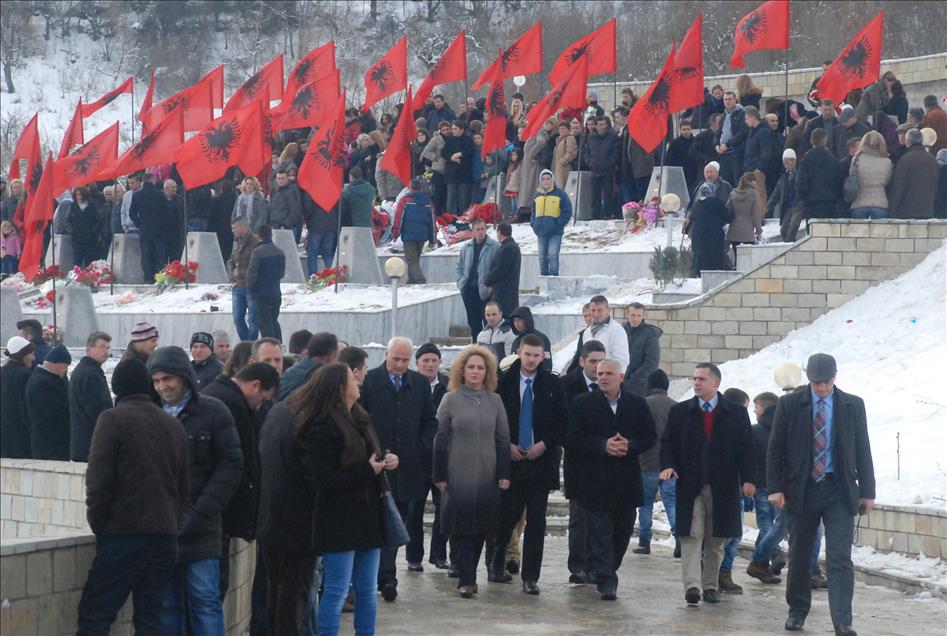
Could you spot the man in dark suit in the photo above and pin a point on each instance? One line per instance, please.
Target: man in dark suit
(402, 410)
(708, 446)
(535, 404)
(608, 428)
(583, 380)
(503, 279)
(819, 468)
(819, 180)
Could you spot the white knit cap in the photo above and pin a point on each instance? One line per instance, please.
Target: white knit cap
(715, 165)
(16, 344)
(789, 153)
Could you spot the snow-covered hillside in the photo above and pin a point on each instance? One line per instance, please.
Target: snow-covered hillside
(890, 344)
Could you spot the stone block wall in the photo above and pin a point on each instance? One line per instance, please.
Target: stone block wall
(837, 262)
(47, 548)
(905, 529)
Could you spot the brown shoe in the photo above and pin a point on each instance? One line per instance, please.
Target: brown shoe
(760, 570)
(819, 582)
(726, 584)
(466, 591)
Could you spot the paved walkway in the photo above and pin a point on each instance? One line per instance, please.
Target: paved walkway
(650, 601)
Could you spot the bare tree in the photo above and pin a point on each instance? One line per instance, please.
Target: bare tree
(15, 34)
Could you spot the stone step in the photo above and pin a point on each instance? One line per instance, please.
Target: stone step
(459, 331)
(448, 341)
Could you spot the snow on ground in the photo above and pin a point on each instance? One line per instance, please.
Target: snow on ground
(201, 299)
(890, 344)
(594, 236)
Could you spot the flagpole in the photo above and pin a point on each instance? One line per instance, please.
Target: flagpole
(133, 112)
(338, 233)
(578, 187)
(52, 235)
(786, 105)
(187, 260)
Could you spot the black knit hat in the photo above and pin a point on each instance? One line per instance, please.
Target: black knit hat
(203, 337)
(130, 377)
(427, 347)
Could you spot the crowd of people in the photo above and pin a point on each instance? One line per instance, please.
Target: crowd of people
(302, 450)
(852, 169)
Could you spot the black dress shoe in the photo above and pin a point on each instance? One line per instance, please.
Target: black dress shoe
(845, 630)
(440, 564)
(578, 578)
(530, 587)
(677, 548)
(452, 572)
(499, 577)
(692, 596)
(794, 624)
(389, 592)
(609, 591)
(513, 566)
(711, 596)
(415, 567)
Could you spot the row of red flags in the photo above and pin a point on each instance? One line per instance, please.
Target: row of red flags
(311, 96)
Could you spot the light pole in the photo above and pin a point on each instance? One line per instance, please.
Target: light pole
(670, 203)
(394, 270)
(788, 376)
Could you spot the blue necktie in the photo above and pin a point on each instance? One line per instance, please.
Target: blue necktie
(397, 382)
(526, 417)
(707, 407)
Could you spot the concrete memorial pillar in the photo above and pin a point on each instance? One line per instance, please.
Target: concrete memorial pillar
(10, 314)
(203, 249)
(286, 241)
(76, 314)
(63, 255)
(674, 182)
(581, 198)
(357, 253)
(125, 259)
(491, 196)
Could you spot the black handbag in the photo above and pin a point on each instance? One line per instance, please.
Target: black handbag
(393, 531)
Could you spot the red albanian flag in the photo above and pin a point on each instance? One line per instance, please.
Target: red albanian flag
(648, 121)
(451, 67)
(598, 46)
(494, 132)
(231, 139)
(146, 103)
(269, 77)
(321, 171)
(397, 157)
(766, 28)
(316, 63)
(569, 93)
(195, 102)
(126, 87)
(39, 212)
(27, 146)
(388, 75)
(523, 57)
(310, 104)
(687, 90)
(215, 79)
(82, 166)
(857, 66)
(155, 147)
(74, 136)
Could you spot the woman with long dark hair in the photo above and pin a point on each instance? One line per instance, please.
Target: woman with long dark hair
(347, 463)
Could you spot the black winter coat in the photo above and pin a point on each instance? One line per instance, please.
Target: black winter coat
(287, 494)
(761, 433)
(605, 482)
(207, 371)
(47, 403)
(216, 463)
(550, 422)
(703, 151)
(527, 315)
(679, 154)
(347, 515)
(147, 211)
(602, 153)
(707, 238)
(14, 419)
(86, 233)
(789, 456)
(504, 276)
(405, 422)
(574, 384)
(89, 395)
(218, 221)
(458, 172)
(730, 456)
(818, 179)
(644, 355)
(758, 149)
(239, 517)
(738, 131)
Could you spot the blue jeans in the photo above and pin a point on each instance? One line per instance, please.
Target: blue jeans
(243, 318)
(194, 588)
(730, 549)
(650, 483)
(136, 564)
(768, 540)
(266, 310)
(320, 244)
(549, 254)
(339, 570)
(870, 213)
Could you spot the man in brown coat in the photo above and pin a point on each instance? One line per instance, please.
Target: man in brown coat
(244, 242)
(935, 118)
(914, 184)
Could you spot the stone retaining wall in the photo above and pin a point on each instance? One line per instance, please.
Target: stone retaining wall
(47, 548)
(909, 530)
(837, 262)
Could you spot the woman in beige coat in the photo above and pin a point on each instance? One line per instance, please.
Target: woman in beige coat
(565, 153)
(744, 203)
(874, 169)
